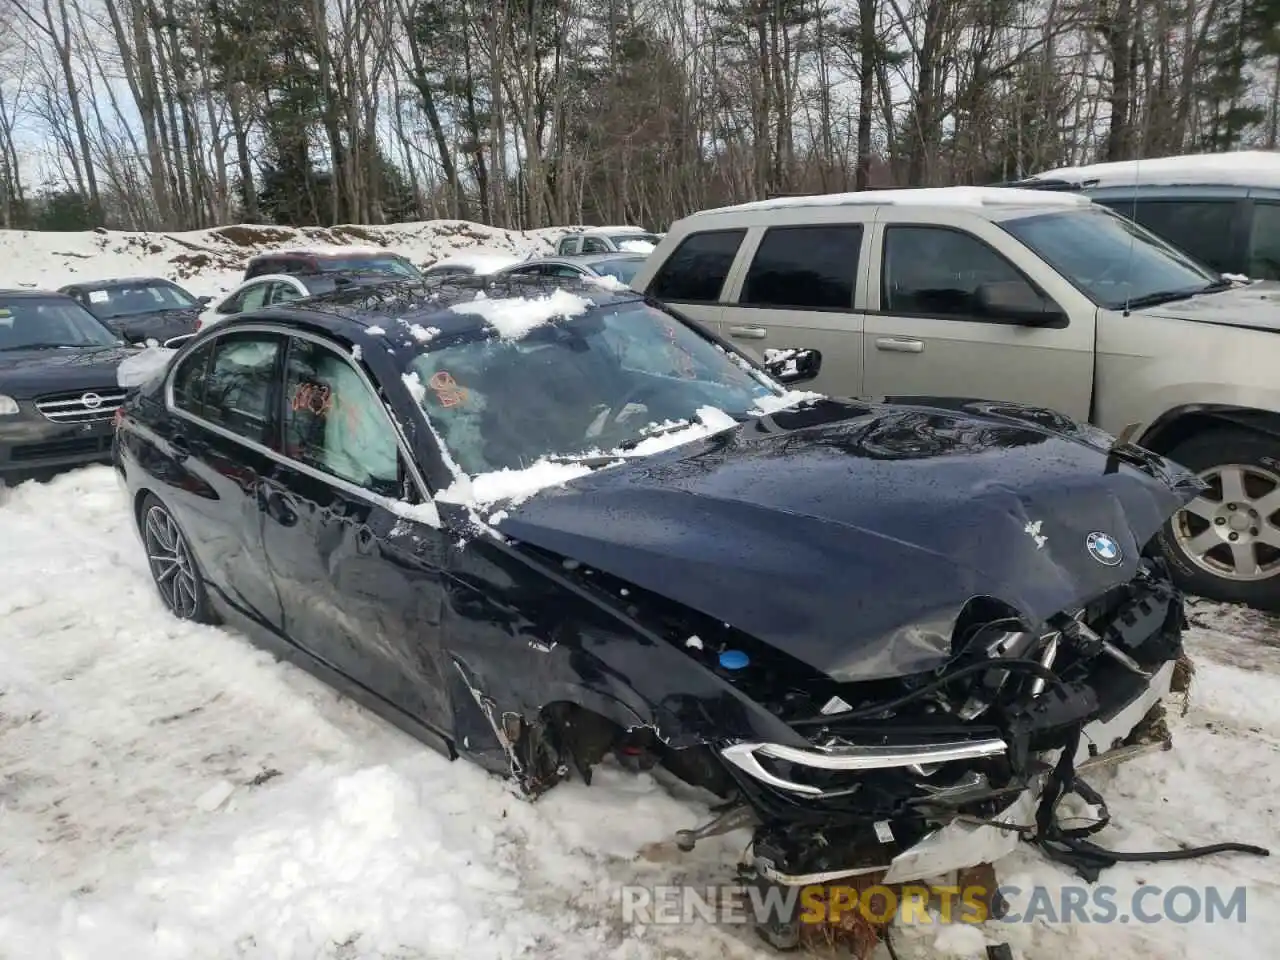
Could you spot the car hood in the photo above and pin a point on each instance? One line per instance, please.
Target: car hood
(26, 374)
(851, 536)
(1254, 305)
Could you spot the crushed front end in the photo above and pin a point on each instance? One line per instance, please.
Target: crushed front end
(913, 778)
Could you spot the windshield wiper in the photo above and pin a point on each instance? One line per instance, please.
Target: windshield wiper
(1163, 296)
(655, 432)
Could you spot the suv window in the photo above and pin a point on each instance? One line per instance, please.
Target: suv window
(568, 245)
(1264, 241)
(190, 378)
(594, 245)
(805, 268)
(334, 422)
(936, 272)
(1203, 228)
(240, 386)
(696, 270)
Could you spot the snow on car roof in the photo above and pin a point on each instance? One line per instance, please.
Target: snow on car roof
(481, 262)
(1243, 168)
(923, 196)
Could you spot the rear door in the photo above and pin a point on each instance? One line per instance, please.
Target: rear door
(799, 290)
(224, 396)
(928, 336)
(693, 278)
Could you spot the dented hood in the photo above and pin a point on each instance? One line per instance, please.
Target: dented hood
(850, 536)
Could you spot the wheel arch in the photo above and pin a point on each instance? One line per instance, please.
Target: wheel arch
(1181, 423)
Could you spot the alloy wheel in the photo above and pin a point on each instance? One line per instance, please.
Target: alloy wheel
(171, 565)
(1233, 531)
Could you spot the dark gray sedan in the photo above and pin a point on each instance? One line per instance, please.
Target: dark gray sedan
(140, 308)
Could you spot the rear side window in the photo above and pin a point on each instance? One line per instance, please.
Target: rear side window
(696, 270)
(811, 268)
(190, 378)
(1264, 241)
(241, 384)
(1203, 228)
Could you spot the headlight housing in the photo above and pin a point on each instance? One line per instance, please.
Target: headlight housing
(8, 406)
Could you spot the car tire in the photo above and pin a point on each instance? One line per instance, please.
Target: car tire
(173, 567)
(1209, 544)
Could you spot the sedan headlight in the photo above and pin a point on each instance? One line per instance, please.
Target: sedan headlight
(8, 406)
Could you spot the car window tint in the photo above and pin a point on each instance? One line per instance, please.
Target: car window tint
(697, 268)
(284, 292)
(1202, 228)
(238, 394)
(566, 245)
(253, 297)
(805, 267)
(334, 422)
(932, 272)
(1264, 241)
(594, 245)
(561, 270)
(189, 380)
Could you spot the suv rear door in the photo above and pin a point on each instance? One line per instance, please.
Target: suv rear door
(927, 337)
(804, 285)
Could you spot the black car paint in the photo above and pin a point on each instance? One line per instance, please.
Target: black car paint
(454, 634)
(32, 444)
(158, 325)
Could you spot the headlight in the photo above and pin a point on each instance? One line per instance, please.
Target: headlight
(8, 406)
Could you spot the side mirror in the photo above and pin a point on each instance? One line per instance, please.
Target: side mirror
(204, 301)
(796, 365)
(173, 343)
(1016, 301)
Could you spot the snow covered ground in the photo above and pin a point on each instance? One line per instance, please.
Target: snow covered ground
(168, 791)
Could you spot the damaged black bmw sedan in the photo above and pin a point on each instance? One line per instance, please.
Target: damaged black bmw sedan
(539, 526)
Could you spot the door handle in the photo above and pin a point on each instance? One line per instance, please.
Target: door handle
(900, 345)
(280, 509)
(748, 333)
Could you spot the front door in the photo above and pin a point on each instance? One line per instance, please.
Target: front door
(360, 585)
(929, 336)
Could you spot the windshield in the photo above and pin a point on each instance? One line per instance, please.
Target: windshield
(591, 383)
(1113, 261)
(34, 323)
(396, 266)
(623, 270)
(124, 301)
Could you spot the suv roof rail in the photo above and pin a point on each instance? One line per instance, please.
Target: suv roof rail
(1041, 183)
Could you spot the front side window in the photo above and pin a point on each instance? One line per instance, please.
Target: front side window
(1111, 260)
(594, 245)
(936, 272)
(49, 323)
(805, 268)
(1203, 228)
(250, 298)
(595, 381)
(334, 422)
(1264, 241)
(240, 390)
(108, 303)
(696, 270)
(283, 293)
(190, 379)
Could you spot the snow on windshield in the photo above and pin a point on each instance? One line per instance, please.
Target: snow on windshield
(636, 246)
(514, 317)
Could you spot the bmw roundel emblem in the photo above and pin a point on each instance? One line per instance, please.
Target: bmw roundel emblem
(1104, 549)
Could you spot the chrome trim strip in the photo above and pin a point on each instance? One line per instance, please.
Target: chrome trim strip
(853, 759)
(347, 486)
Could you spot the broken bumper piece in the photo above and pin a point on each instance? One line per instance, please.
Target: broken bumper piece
(964, 843)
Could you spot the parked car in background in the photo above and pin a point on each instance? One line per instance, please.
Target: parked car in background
(621, 267)
(58, 384)
(471, 265)
(331, 260)
(273, 289)
(829, 614)
(140, 308)
(1026, 296)
(1222, 208)
(607, 240)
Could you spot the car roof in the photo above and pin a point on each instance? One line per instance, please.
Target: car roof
(115, 282)
(324, 253)
(1241, 168)
(26, 293)
(589, 231)
(582, 259)
(347, 311)
(986, 201)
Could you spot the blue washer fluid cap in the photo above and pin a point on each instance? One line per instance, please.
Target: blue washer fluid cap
(734, 660)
